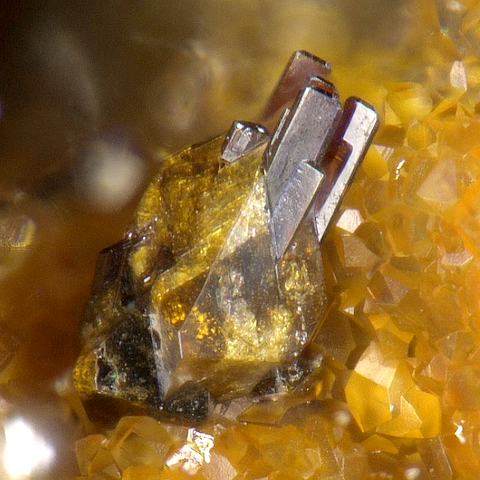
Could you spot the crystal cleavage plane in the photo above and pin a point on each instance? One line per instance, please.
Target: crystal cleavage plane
(217, 289)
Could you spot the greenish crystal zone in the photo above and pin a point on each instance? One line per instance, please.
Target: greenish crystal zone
(191, 304)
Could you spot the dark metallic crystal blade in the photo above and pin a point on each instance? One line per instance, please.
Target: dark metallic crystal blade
(292, 206)
(242, 138)
(301, 66)
(305, 136)
(358, 126)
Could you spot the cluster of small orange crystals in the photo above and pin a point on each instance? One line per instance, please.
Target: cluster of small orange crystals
(398, 395)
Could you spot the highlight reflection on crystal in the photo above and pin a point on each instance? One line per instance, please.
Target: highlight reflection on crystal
(26, 452)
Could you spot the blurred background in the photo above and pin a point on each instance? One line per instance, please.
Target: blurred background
(93, 94)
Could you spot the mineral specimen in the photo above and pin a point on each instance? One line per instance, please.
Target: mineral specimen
(217, 288)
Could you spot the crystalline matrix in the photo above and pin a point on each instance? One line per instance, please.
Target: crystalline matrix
(217, 290)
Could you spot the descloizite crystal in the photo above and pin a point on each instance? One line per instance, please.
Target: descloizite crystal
(217, 289)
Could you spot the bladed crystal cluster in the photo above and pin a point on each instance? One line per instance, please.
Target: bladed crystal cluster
(217, 289)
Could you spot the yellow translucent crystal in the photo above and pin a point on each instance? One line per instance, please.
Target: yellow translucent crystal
(139, 440)
(406, 424)
(409, 101)
(381, 393)
(178, 215)
(141, 473)
(86, 449)
(368, 401)
(240, 326)
(374, 163)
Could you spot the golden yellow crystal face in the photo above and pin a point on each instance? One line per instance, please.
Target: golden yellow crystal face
(186, 213)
